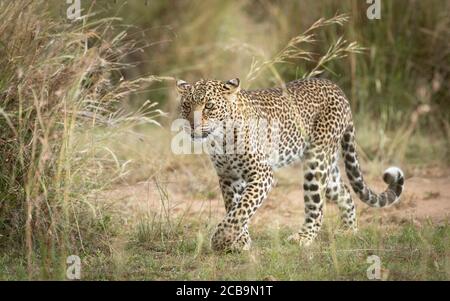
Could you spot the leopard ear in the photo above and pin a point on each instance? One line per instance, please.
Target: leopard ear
(182, 86)
(233, 85)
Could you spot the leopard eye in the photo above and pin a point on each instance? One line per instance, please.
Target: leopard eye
(209, 105)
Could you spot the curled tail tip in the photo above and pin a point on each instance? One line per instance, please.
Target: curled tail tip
(393, 175)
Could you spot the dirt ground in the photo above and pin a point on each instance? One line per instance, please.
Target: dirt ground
(426, 196)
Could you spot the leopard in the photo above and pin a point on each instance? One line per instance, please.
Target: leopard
(314, 126)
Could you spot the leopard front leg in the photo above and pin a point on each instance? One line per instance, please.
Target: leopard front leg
(232, 188)
(232, 233)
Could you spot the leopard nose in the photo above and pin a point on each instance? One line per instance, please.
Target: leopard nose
(195, 119)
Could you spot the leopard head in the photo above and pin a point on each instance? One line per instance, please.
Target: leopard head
(206, 104)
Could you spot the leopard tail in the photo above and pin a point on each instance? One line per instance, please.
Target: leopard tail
(393, 176)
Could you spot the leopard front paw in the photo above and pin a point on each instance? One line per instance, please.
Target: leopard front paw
(218, 241)
(223, 239)
(226, 241)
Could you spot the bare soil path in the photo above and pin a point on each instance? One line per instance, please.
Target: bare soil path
(426, 197)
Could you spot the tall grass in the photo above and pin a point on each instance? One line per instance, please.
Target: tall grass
(60, 83)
